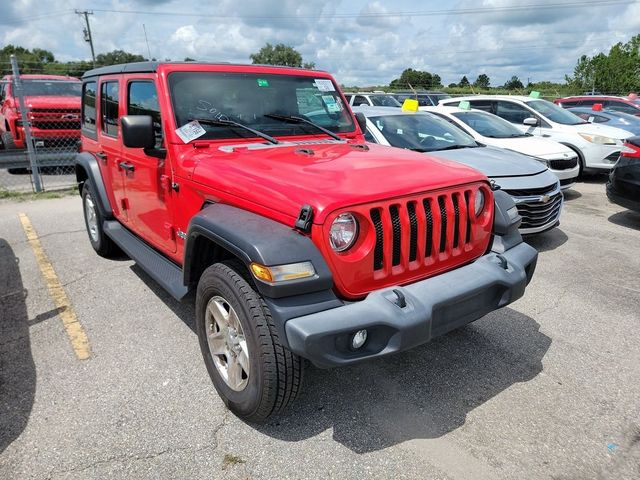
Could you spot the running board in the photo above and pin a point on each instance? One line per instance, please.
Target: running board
(164, 272)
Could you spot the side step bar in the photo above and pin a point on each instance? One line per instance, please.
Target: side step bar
(166, 273)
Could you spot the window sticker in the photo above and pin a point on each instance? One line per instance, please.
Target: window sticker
(399, 131)
(263, 82)
(324, 85)
(332, 105)
(190, 131)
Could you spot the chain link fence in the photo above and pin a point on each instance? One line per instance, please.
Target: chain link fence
(39, 131)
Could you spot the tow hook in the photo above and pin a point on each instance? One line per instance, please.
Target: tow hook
(401, 301)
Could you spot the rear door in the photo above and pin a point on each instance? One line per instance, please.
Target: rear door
(109, 141)
(148, 173)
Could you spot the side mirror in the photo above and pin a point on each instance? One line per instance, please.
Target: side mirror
(137, 131)
(531, 122)
(362, 121)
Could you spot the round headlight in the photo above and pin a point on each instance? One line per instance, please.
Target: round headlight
(478, 202)
(343, 233)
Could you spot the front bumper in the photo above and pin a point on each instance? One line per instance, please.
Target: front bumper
(434, 306)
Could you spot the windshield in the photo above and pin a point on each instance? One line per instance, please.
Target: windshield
(248, 98)
(489, 125)
(555, 113)
(422, 132)
(384, 101)
(52, 88)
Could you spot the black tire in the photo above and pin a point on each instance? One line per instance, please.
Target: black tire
(7, 141)
(275, 373)
(101, 243)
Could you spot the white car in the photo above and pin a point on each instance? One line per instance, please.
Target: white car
(497, 132)
(375, 99)
(598, 146)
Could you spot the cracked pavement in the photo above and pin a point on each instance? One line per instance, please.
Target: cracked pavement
(545, 388)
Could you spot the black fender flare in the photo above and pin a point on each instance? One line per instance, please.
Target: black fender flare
(254, 238)
(87, 168)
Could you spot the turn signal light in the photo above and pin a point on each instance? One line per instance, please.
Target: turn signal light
(282, 273)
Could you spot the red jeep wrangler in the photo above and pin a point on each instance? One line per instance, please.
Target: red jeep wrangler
(253, 186)
(53, 102)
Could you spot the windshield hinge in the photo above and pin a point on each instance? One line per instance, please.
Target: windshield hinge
(305, 218)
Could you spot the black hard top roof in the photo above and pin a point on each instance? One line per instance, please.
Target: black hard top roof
(150, 67)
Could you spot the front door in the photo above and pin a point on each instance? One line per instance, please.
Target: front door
(148, 175)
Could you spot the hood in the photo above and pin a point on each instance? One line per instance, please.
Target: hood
(533, 146)
(52, 102)
(494, 162)
(326, 176)
(595, 129)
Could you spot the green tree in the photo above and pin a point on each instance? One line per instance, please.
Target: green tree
(514, 84)
(482, 81)
(615, 72)
(29, 61)
(464, 82)
(416, 79)
(280, 54)
(117, 56)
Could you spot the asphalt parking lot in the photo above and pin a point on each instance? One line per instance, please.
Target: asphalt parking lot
(546, 388)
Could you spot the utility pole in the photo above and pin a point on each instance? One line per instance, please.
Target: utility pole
(87, 32)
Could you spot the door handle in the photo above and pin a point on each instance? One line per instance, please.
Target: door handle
(127, 166)
(102, 156)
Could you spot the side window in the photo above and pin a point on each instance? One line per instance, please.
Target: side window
(143, 100)
(484, 105)
(348, 98)
(359, 100)
(89, 106)
(621, 107)
(368, 137)
(109, 108)
(512, 112)
(600, 119)
(568, 104)
(2, 91)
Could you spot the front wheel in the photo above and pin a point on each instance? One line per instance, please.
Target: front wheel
(255, 375)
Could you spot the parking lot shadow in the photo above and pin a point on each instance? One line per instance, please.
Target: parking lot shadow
(17, 369)
(627, 218)
(546, 241)
(571, 194)
(424, 393)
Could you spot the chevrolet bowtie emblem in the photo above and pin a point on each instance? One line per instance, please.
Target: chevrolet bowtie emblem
(545, 198)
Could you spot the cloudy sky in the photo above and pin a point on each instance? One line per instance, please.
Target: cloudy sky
(361, 42)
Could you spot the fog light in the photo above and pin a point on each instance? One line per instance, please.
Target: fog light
(358, 339)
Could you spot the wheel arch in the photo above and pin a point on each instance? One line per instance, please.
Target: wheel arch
(220, 232)
(581, 161)
(87, 169)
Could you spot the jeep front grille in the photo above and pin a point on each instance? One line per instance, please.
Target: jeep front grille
(409, 220)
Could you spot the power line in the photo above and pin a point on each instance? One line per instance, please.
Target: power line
(461, 11)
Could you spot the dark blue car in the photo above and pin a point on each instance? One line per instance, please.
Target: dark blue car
(622, 120)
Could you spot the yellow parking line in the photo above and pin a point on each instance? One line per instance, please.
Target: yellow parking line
(75, 331)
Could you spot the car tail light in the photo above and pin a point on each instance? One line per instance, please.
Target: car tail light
(631, 150)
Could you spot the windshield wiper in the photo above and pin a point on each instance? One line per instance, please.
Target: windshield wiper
(231, 123)
(294, 119)
(453, 147)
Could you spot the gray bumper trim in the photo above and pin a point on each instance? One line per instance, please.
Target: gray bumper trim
(434, 306)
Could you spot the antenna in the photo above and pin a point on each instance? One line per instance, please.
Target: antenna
(147, 41)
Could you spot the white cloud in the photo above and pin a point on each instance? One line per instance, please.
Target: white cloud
(364, 44)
